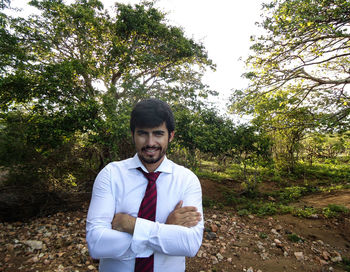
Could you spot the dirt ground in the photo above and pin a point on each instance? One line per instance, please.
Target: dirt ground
(230, 243)
(253, 243)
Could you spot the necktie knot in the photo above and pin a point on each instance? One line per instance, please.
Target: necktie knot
(151, 177)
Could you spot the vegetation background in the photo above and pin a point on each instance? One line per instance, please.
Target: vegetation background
(70, 75)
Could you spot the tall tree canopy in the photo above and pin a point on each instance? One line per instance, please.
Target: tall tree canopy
(300, 65)
(70, 74)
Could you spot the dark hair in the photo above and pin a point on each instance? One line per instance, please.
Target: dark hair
(151, 113)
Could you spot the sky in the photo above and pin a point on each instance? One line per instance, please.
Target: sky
(224, 27)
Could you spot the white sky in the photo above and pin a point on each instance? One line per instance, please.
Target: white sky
(223, 26)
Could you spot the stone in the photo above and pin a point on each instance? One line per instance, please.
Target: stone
(219, 256)
(279, 228)
(274, 231)
(264, 256)
(214, 260)
(250, 269)
(211, 235)
(299, 255)
(326, 255)
(271, 198)
(34, 244)
(336, 259)
(214, 228)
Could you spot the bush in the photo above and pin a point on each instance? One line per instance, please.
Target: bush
(333, 210)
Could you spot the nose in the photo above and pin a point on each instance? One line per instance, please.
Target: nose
(151, 140)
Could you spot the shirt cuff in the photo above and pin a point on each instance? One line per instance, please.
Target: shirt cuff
(142, 232)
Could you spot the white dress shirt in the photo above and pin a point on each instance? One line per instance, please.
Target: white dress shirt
(120, 187)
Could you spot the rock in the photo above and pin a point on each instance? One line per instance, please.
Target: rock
(320, 242)
(214, 260)
(251, 216)
(91, 267)
(199, 253)
(260, 246)
(211, 235)
(271, 198)
(336, 259)
(326, 255)
(274, 231)
(250, 269)
(214, 228)
(264, 256)
(229, 260)
(278, 242)
(279, 228)
(299, 256)
(34, 244)
(219, 256)
(10, 247)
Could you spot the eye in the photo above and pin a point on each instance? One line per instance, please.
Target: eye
(159, 133)
(141, 132)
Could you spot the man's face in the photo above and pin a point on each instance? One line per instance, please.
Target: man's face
(151, 144)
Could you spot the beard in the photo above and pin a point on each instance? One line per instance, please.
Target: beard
(152, 159)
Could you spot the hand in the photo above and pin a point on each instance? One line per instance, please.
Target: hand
(184, 216)
(124, 222)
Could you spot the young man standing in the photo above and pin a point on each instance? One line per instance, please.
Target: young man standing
(146, 211)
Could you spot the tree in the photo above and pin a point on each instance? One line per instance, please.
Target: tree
(303, 60)
(202, 132)
(74, 71)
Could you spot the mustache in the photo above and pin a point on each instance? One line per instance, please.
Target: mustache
(148, 146)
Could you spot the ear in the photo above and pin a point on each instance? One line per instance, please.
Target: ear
(132, 136)
(171, 136)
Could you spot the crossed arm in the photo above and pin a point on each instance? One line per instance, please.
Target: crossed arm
(124, 237)
(182, 216)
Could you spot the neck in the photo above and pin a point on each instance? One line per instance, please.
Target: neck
(151, 167)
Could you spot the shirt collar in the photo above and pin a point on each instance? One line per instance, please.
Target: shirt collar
(164, 167)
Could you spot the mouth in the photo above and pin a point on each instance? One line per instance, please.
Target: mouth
(150, 151)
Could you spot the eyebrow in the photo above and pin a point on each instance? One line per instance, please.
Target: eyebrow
(155, 131)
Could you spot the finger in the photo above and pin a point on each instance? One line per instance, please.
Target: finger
(187, 209)
(178, 205)
(191, 223)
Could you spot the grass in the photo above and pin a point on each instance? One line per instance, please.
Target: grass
(324, 176)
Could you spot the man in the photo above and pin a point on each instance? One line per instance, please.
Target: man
(118, 231)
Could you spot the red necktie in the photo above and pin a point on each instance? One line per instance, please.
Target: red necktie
(148, 211)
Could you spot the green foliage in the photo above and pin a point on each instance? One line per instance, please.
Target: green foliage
(216, 176)
(294, 238)
(232, 199)
(243, 212)
(208, 203)
(333, 210)
(297, 69)
(298, 78)
(269, 208)
(307, 212)
(293, 193)
(346, 263)
(73, 73)
(263, 235)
